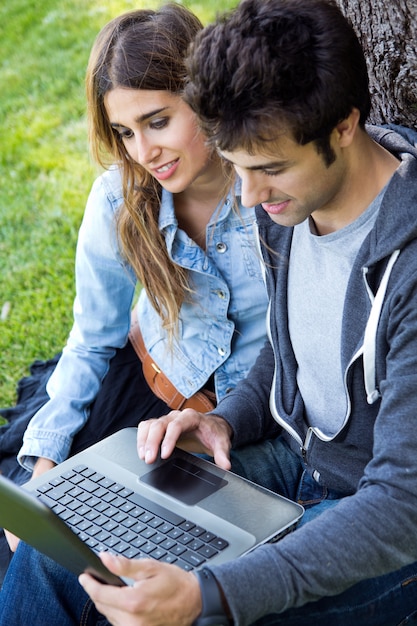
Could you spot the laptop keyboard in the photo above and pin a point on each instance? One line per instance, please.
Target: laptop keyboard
(108, 516)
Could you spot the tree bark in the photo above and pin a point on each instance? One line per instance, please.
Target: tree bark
(387, 30)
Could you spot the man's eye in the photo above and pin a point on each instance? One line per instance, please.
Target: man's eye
(271, 172)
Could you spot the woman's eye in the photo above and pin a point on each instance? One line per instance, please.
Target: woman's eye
(123, 134)
(126, 134)
(159, 123)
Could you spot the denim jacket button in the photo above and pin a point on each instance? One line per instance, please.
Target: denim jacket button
(221, 247)
(221, 351)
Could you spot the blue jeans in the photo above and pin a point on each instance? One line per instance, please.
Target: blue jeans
(37, 591)
(389, 600)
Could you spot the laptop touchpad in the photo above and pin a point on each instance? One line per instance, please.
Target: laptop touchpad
(184, 480)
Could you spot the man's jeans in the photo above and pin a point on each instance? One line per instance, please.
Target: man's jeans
(37, 591)
(389, 600)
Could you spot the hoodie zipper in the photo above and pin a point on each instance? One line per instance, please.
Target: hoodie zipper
(367, 350)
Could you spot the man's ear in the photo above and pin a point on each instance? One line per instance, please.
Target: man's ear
(345, 130)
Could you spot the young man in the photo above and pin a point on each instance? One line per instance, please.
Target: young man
(281, 89)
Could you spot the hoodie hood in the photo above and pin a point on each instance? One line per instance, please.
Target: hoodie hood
(399, 198)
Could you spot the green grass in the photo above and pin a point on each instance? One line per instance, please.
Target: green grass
(45, 169)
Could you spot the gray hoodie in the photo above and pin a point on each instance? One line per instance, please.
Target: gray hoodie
(372, 459)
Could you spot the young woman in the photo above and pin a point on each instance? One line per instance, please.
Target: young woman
(162, 214)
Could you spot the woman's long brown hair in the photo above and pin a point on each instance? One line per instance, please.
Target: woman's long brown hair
(141, 49)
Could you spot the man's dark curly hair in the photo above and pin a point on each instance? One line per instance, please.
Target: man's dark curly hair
(272, 66)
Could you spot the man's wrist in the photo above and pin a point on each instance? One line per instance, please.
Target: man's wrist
(213, 612)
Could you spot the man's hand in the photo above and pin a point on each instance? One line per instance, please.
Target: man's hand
(162, 594)
(41, 466)
(188, 429)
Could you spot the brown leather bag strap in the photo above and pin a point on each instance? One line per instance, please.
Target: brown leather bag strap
(202, 401)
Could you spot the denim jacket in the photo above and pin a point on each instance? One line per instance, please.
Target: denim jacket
(220, 332)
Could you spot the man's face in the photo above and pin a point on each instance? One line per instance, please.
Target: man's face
(291, 181)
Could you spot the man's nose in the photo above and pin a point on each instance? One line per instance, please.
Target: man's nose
(253, 191)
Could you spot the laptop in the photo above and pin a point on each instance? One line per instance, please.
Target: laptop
(182, 510)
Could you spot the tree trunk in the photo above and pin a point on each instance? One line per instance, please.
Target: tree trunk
(387, 30)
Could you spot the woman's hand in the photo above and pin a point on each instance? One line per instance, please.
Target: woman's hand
(189, 430)
(41, 466)
(162, 594)
(12, 540)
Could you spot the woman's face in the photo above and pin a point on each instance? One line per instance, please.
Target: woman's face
(160, 132)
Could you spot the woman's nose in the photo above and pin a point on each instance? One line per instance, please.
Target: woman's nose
(146, 151)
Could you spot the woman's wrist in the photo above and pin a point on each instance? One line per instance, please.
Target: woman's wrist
(41, 466)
